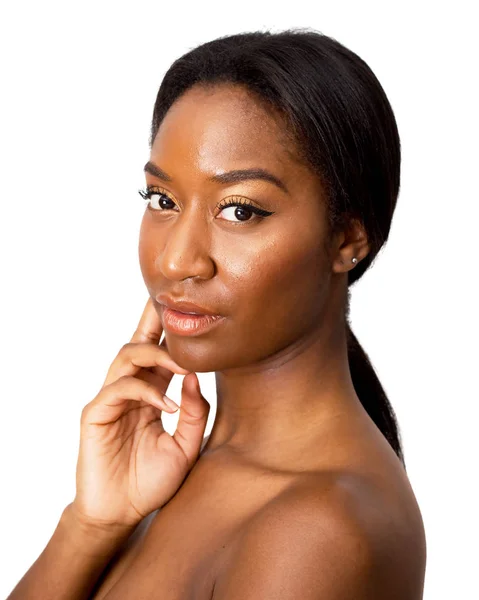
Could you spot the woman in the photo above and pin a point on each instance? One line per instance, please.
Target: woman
(271, 185)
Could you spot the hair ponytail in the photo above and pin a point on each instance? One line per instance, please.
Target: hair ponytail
(371, 393)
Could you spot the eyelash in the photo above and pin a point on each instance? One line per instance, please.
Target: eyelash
(259, 212)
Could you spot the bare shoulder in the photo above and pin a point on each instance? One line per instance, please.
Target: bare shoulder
(331, 536)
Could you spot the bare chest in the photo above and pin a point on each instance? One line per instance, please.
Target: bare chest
(177, 552)
(170, 560)
(180, 551)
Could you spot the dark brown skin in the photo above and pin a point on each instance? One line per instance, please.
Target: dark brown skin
(294, 474)
(128, 465)
(271, 278)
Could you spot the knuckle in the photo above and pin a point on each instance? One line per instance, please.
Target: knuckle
(151, 337)
(125, 349)
(84, 412)
(122, 380)
(128, 381)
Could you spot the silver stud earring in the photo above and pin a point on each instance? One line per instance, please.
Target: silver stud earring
(354, 260)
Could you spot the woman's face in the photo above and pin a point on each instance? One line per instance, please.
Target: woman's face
(268, 276)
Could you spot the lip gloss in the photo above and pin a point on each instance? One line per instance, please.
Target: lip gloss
(185, 324)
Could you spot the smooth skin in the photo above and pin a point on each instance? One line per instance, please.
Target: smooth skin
(296, 493)
(279, 356)
(310, 499)
(128, 465)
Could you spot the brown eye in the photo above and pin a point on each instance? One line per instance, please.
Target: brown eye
(164, 202)
(238, 212)
(159, 201)
(242, 209)
(156, 200)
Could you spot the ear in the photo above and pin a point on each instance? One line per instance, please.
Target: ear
(351, 242)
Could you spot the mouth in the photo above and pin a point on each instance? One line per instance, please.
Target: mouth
(184, 307)
(188, 324)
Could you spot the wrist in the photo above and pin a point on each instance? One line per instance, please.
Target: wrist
(91, 535)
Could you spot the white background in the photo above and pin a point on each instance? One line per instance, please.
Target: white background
(78, 83)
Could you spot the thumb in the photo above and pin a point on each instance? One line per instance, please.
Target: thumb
(193, 417)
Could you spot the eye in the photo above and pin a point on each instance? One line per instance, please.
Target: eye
(151, 195)
(243, 207)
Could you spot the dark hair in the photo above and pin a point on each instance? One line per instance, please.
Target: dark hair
(338, 115)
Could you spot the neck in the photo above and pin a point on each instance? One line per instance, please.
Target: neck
(281, 406)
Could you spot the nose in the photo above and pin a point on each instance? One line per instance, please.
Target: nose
(186, 249)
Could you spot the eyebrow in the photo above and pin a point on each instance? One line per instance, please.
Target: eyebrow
(228, 177)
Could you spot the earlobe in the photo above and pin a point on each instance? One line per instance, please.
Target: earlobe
(343, 265)
(353, 247)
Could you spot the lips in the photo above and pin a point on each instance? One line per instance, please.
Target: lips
(184, 324)
(184, 306)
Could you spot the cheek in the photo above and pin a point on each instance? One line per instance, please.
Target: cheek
(276, 284)
(284, 288)
(148, 249)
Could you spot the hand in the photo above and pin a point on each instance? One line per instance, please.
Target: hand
(128, 465)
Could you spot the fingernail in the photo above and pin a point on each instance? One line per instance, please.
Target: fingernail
(171, 403)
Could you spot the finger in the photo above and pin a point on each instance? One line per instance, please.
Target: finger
(110, 404)
(192, 419)
(149, 328)
(153, 380)
(135, 356)
(156, 369)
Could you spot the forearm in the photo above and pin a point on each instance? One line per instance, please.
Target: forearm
(71, 563)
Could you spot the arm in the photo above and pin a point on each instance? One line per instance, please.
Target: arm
(72, 561)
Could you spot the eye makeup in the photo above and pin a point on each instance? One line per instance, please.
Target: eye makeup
(154, 193)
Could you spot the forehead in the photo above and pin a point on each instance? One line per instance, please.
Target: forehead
(224, 125)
